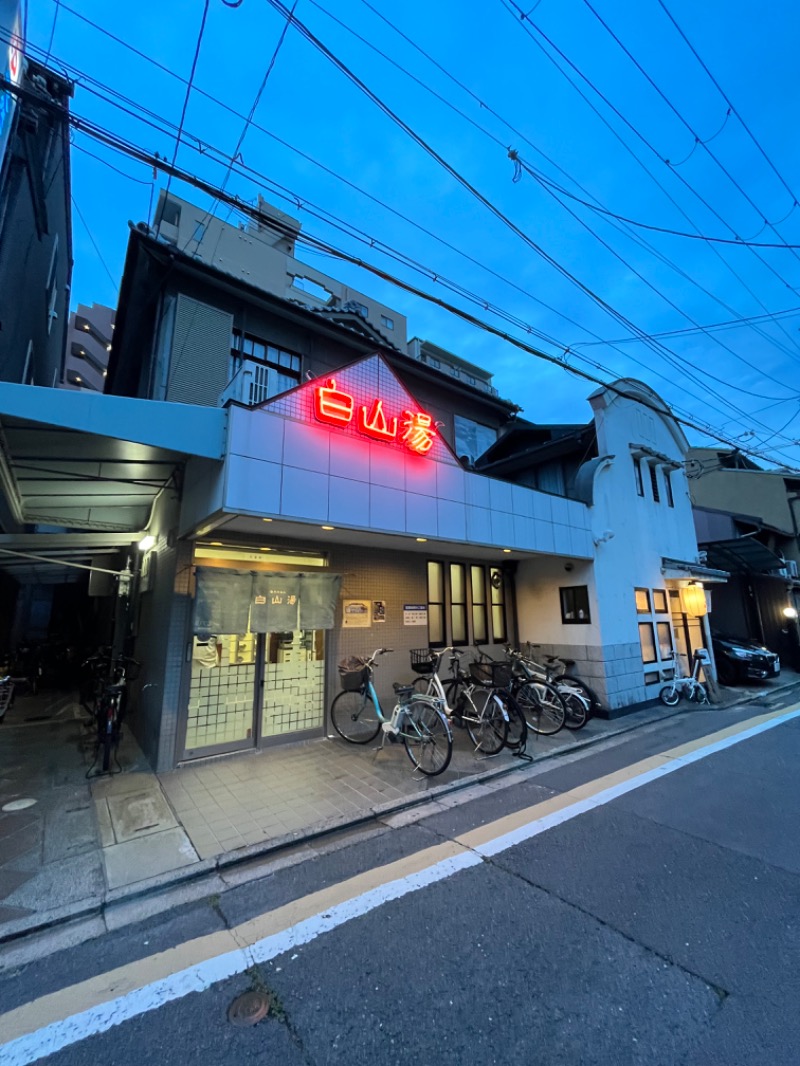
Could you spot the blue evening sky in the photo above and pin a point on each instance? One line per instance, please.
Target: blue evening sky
(741, 378)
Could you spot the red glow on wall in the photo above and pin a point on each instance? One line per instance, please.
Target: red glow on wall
(416, 430)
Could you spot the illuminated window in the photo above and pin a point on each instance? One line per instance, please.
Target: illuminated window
(642, 601)
(459, 612)
(477, 576)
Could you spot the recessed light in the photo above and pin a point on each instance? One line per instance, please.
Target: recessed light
(85, 326)
(216, 543)
(266, 519)
(328, 527)
(265, 549)
(422, 540)
(506, 549)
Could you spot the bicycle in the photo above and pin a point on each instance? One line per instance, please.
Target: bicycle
(108, 710)
(498, 679)
(419, 721)
(690, 687)
(576, 705)
(478, 710)
(555, 669)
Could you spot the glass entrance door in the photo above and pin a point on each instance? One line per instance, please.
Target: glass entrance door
(222, 695)
(293, 693)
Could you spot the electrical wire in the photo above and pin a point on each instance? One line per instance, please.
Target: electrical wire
(95, 245)
(509, 282)
(529, 27)
(189, 84)
(660, 349)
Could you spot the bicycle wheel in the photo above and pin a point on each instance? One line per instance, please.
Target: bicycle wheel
(427, 738)
(486, 722)
(583, 690)
(670, 696)
(577, 709)
(517, 726)
(354, 717)
(542, 706)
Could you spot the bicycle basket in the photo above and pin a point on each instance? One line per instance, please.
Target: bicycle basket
(498, 675)
(353, 674)
(423, 660)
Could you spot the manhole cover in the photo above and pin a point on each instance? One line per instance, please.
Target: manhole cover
(18, 805)
(249, 1008)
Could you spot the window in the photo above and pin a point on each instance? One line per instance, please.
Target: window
(277, 371)
(668, 488)
(642, 601)
(660, 601)
(466, 604)
(654, 482)
(471, 438)
(498, 605)
(664, 630)
(386, 322)
(648, 642)
(199, 232)
(575, 605)
(458, 603)
(436, 628)
(455, 372)
(477, 576)
(637, 473)
(434, 363)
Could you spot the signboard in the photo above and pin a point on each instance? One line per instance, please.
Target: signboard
(378, 611)
(415, 614)
(356, 614)
(413, 429)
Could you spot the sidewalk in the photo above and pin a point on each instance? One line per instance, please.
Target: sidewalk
(84, 845)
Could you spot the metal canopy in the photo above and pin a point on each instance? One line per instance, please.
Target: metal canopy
(743, 554)
(92, 465)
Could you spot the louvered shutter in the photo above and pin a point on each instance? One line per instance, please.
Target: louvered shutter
(201, 349)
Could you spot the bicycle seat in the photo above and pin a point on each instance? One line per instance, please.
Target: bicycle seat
(402, 690)
(568, 662)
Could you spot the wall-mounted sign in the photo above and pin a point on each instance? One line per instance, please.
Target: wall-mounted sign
(413, 429)
(378, 611)
(356, 614)
(415, 614)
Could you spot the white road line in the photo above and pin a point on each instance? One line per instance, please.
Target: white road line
(31, 1047)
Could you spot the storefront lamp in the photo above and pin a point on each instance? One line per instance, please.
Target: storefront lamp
(790, 612)
(694, 601)
(146, 543)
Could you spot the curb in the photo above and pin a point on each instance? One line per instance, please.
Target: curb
(206, 869)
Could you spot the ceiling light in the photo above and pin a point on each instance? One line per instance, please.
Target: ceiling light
(265, 549)
(266, 519)
(108, 347)
(146, 543)
(422, 540)
(85, 325)
(216, 543)
(506, 549)
(328, 527)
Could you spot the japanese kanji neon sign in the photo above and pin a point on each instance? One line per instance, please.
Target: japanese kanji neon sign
(414, 429)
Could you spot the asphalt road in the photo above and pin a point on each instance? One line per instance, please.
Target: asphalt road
(662, 927)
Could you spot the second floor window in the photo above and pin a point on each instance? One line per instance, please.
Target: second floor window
(275, 370)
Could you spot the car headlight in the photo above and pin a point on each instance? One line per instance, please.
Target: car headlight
(740, 653)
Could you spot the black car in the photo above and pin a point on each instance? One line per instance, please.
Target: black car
(739, 659)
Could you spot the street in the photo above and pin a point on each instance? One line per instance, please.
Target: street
(635, 903)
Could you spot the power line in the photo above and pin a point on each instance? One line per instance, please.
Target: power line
(95, 244)
(529, 26)
(670, 357)
(189, 85)
(254, 213)
(730, 104)
(681, 118)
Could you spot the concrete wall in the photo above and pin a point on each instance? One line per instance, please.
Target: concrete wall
(758, 493)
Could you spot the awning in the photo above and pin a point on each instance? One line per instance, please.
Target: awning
(680, 570)
(743, 555)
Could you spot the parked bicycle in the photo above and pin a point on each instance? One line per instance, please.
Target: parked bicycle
(498, 678)
(689, 687)
(6, 694)
(555, 670)
(576, 704)
(467, 702)
(110, 677)
(418, 721)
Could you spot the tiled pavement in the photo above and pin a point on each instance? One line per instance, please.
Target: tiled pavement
(84, 842)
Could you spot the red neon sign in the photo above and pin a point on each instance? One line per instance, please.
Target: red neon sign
(416, 429)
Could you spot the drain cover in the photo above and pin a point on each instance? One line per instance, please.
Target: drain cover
(18, 805)
(249, 1008)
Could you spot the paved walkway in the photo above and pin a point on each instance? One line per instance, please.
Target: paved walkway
(86, 842)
